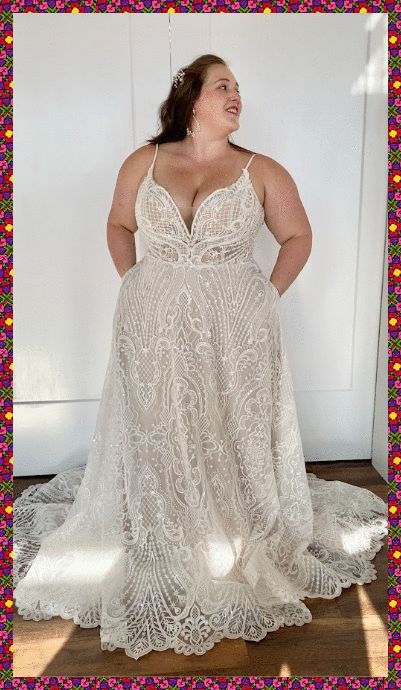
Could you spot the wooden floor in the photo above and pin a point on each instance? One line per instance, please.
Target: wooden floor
(347, 635)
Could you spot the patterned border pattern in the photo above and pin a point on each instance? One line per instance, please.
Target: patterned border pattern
(6, 316)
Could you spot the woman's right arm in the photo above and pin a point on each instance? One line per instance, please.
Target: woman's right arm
(121, 222)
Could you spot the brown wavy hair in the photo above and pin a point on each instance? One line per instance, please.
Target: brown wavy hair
(176, 111)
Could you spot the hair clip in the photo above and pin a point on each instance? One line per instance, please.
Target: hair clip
(178, 79)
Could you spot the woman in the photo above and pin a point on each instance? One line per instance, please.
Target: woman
(194, 518)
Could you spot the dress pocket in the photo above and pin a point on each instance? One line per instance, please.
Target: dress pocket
(274, 289)
(127, 275)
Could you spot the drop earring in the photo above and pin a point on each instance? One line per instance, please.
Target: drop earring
(189, 131)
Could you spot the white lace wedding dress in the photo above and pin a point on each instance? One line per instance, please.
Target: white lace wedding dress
(193, 519)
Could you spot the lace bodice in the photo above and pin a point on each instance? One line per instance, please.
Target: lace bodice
(223, 229)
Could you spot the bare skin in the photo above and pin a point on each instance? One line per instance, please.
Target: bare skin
(193, 168)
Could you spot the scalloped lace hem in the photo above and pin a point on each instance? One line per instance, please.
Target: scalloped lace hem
(248, 620)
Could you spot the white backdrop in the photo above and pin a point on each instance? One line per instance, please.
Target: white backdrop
(87, 93)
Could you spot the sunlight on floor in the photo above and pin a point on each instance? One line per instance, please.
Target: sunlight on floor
(51, 646)
(371, 621)
(285, 670)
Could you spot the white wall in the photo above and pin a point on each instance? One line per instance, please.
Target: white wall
(380, 423)
(313, 91)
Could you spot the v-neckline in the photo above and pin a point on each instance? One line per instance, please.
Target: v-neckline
(190, 231)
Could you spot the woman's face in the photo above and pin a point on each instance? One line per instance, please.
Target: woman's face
(220, 91)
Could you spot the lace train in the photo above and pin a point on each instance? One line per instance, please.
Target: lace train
(349, 526)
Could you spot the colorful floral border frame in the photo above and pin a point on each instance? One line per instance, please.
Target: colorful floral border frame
(6, 315)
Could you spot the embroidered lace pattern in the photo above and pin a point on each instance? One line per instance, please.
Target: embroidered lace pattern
(193, 519)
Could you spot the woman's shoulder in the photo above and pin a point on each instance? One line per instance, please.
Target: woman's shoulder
(142, 152)
(272, 171)
(136, 162)
(267, 161)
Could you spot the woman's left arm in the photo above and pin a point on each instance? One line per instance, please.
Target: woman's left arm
(286, 219)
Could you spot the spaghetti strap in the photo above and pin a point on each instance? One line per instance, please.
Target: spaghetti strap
(250, 161)
(154, 158)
